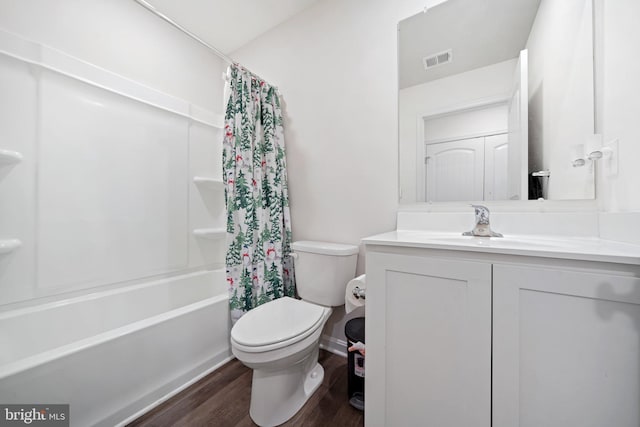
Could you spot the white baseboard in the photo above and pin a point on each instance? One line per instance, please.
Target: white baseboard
(333, 345)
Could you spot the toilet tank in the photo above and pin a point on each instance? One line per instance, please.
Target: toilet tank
(322, 271)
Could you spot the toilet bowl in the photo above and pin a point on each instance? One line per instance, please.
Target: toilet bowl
(279, 340)
(282, 350)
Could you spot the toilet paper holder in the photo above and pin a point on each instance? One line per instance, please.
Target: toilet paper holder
(359, 293)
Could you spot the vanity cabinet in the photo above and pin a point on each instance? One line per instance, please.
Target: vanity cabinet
(457, 338)
(565, 347)
(428, 342)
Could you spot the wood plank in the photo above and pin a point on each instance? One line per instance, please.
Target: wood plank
(222, 398)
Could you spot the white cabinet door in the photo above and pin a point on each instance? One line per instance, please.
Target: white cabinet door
(455, 170)
(496, 167)
(566, 348)
(428, 323)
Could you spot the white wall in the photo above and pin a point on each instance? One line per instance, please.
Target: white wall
(467, 123)
(336, 67)
(486, 83)
(561, 98)
(104, 194)
(621, 104)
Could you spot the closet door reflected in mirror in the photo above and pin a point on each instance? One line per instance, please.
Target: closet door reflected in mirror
(496, 101)
(466, 155)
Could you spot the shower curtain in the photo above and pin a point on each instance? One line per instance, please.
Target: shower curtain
(258, 262)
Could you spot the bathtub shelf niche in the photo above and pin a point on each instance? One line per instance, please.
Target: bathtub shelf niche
(212, 183)
(210, 233)
(9, 245)
(8, 157)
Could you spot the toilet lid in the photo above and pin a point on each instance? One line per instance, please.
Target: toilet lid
(276, 321)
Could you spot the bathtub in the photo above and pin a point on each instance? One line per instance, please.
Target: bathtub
(112, 355)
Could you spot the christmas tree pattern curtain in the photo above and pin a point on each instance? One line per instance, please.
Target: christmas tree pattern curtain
(258, 262)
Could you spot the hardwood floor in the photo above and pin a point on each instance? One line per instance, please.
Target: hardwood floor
(221, 399)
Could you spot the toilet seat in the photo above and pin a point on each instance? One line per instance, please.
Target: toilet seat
(277, 324)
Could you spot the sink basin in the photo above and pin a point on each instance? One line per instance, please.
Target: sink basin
(511, 242)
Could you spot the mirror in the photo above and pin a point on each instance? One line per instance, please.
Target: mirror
(496, 101)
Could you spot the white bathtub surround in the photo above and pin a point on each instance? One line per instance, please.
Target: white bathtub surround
(208, 182)
(210, 233)
(136, 149)
(139, 46)
(258, 262)
(111, 303)
(120, 358)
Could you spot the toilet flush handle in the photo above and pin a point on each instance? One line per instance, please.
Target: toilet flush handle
(293, 255)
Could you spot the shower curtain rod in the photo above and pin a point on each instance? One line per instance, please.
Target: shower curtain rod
(224, 57)
(159, 14)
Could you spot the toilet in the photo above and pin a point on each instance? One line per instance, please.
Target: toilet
(280, 339)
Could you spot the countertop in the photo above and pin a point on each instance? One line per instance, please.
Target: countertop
(560, 247)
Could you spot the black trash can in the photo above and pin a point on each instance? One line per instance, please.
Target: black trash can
(354, 330)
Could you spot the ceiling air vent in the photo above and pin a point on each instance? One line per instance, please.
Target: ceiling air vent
(437, 59)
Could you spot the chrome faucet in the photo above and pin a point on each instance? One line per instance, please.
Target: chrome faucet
(482, 228)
